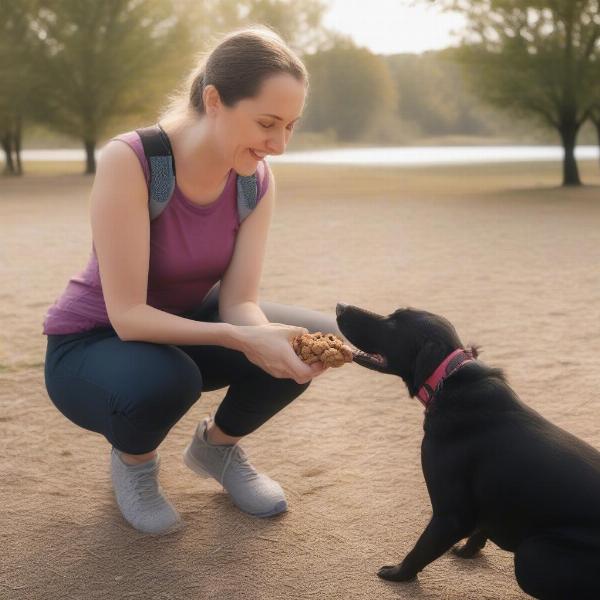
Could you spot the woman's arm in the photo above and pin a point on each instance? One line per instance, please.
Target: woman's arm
(121, 234)
(238, 294)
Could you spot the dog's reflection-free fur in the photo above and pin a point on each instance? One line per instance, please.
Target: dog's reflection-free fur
(494, 468)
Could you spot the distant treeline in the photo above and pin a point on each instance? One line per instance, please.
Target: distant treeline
(85, 70)
(428, 101)
(407, 98)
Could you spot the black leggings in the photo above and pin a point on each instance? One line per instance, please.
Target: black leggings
(134, 392)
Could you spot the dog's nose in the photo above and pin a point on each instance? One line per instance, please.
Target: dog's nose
(339, 309)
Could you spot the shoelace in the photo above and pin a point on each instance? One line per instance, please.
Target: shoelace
(146, 486)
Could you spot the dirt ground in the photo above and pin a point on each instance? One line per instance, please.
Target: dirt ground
(509, 257)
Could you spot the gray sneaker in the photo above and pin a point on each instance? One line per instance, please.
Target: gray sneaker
(252, 492)
(140, 497)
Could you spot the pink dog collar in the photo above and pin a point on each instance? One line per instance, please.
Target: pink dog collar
(449, 365)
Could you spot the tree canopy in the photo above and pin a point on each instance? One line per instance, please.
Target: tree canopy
(349, 87)
(101, 59)
(536, 57)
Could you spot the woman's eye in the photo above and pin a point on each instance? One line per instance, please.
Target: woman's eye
(266, 125)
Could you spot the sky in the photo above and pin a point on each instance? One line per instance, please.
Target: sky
(392, 26)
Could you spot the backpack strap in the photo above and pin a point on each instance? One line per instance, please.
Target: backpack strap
(247, 195)
(161, 168)
(161, 182)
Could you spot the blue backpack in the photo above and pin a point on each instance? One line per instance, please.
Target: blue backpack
(161, 165)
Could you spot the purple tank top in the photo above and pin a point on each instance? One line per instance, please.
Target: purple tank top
(190, 249)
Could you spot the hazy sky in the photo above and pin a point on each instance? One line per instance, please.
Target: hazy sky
(390, 26)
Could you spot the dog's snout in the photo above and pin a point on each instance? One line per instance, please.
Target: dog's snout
(339, 309)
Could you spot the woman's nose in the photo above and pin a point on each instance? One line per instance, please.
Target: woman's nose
(277, 144)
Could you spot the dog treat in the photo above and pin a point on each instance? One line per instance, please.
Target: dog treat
(324, 347)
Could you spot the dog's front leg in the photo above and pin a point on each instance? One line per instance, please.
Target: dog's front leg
(439, 536)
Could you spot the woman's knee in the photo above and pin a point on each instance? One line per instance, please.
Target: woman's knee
(141, 421)
(165, 394)
(131, 392)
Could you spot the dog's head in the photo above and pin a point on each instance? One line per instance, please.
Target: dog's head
(409, 343)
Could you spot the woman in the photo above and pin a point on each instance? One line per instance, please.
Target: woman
(131, 345)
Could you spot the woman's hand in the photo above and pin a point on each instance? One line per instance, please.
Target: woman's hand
(270, 347)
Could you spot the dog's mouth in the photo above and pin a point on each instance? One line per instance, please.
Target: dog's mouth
(371, 360)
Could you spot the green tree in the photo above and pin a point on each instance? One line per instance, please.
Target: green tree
(536, 58)
(99, 60)
(349, 87)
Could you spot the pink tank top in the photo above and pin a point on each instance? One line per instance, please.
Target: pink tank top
(190, 249)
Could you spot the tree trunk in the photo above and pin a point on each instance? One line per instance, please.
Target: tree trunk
(17, 145)
(90, 156)
(597, 124)
(6, 141)
(568, 134)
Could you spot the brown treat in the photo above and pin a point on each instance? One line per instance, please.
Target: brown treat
(328, 348)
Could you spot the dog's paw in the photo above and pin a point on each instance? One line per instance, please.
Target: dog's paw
(396, 573)
(466, 551)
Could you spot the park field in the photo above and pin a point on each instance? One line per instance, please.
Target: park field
(502, 251)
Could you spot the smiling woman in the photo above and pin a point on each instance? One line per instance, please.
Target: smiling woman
(136, 337)
(252, 88)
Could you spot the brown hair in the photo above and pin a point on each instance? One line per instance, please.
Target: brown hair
(237, 66)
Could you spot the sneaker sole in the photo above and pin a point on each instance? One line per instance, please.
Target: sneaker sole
(192, 464)
(278, 509)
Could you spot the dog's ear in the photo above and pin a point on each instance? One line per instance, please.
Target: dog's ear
(431, 354)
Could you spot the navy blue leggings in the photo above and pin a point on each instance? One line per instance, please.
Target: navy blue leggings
(134, 392)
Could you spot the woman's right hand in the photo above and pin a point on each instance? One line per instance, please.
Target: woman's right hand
(269, 346)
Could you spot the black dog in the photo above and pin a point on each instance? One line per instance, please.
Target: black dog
(494, 467)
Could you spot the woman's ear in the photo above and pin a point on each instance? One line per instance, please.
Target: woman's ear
(428, 358)
(211, 100)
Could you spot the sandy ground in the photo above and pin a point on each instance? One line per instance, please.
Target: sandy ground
(501, 251)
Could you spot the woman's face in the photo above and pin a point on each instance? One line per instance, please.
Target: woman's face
(259, 126)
